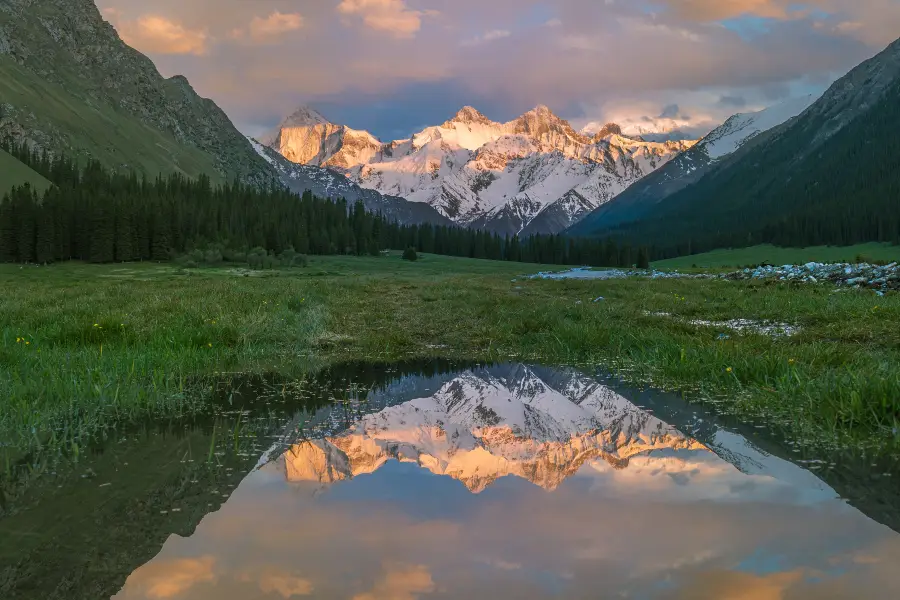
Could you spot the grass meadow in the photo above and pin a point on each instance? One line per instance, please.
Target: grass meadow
(85, 348)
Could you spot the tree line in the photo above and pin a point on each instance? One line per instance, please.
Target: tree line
(94, 214)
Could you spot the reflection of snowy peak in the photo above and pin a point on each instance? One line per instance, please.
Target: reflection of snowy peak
(487, 424)
(534, 174)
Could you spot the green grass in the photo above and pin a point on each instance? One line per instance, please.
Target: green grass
(13, 173)
(755, 255)
(97, 130)
(101, 345)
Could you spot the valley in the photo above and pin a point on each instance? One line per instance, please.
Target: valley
(640, 344)
(534, 174)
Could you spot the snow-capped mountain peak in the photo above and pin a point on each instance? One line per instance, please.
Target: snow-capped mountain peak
(604, 132)
(690, 166)
(534, 174)
(739, 128)
(468, 115)
(305, 116)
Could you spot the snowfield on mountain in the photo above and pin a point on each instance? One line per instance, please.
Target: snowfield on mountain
(534, 174)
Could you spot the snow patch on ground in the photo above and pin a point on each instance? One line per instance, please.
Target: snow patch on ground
(766, 328)
(589, 273)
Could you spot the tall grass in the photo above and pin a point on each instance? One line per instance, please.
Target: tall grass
(159, 328)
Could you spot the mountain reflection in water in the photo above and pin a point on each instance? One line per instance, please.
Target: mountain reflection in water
(522, 482)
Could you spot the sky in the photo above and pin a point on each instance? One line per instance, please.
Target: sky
(393, 67)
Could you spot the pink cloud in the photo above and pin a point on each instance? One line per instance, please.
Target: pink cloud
(391, 16)
(157, 34)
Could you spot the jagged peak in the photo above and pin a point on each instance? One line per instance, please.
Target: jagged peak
(541, 112)
(305, 116)
(469, 114)
(607, 130)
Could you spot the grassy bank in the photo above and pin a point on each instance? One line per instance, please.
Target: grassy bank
(87, 346)
(754, 255)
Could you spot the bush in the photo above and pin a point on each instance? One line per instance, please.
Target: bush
(255, 261)
(410, 254)
(212, 257)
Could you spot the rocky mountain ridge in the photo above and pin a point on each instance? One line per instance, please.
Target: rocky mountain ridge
(825, 177)
(644, 196)
(68, 83)
(534, 174)
(486, 424)
(328, 183)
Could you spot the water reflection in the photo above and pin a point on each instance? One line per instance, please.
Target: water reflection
(520, 482)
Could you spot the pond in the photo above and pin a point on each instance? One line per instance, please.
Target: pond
(442, 481)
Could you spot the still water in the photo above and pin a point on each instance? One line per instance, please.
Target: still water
(501, 482)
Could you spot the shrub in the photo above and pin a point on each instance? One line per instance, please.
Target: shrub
(255, 261)
(212, 256)
(410, 254)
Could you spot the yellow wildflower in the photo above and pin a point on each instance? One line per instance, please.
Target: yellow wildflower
(728, 370)
(791, 361)
(210, 344)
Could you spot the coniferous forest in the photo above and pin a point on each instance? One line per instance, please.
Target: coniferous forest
(844, 193)
(93, 214)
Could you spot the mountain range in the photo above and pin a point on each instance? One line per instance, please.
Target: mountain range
(489, 423)
(535, 423)
(70, 85)
(534, 174)
(825, 176)
(328, 183)
(642, 198)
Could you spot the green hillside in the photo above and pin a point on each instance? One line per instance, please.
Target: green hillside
(827, 178)
(13, 173)
(96, 131)
(69, 84)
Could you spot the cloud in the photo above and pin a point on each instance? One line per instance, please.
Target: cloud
(391, 16)
(273, 580)
(579, 58)
(275, 25)
(739, 586)
(732, 101)
(169, 578)
(670, 112)
(157, 34)
(715, 10)
(401, 582)
(488, 36)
